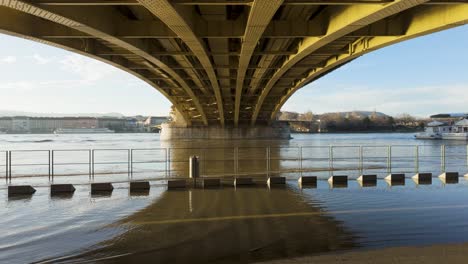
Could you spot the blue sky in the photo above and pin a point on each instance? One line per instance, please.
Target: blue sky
(423, 76)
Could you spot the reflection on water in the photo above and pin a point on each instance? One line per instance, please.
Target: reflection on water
(225, 225)
(231, 225)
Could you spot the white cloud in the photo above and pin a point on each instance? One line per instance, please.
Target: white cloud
(87, 69)
(8, 59)
(41, 60)
(421, 101)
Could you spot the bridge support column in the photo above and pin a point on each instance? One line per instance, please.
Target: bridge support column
(170, 132)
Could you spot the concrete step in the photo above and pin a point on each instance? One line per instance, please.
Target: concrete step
(139, 186)
(367, 180)
(338, 181)
(210, 182)
(449, 177)
(20, 190)
(276, 180)
(307, 181)
(243, 181)
(101, 187)
(176, 184)
(61, 188)
(395, 179)
(423, 178)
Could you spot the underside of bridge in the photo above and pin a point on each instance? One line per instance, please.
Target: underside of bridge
(227, 62)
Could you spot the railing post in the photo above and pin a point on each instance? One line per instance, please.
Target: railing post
(389, 159)
(52, 164)
(6, 166)
(89, 164)
(92, 162)
(268, 161)
(442, 158)
(360, 161)
(330, 159)
(300, 159)
(236, 160)
(417, 159)
(128, 163)
(9, 164)
(169, 161)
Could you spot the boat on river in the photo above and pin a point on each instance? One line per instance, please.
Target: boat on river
(441, 130)
(459, 131)
(433, 130)
(83, 131)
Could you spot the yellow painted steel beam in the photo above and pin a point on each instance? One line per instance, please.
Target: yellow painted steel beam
(99, 24)
(15, 23)
(169, 15)
(425, 20)
(261, 13)
(342, 22)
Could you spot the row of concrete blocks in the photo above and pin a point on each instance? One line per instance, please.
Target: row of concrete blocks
(58, 189)
(217, 182)
(394, 179)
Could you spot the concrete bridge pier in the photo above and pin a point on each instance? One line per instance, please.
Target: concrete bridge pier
(172, 131)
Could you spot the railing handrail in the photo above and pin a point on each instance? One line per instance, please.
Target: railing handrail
(298, 153)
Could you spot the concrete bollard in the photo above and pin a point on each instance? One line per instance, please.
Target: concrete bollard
(211, 183)
(61, 189)
(307, 181)
(395, 179)
(139, 186)
(338, 181)
(101, 187)
(176, 184)
(422, 178)
(367, 180)
(276, 180)
(241, 181)
(20, 190)
(449, 177)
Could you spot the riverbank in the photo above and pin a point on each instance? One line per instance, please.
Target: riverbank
(435, 254)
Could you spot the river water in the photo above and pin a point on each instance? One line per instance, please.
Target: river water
(226, 225)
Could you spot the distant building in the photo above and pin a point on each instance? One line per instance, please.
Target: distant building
(155, 120)
(5, 124)
(116, 124)
(20, 124)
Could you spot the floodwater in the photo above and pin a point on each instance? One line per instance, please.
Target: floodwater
(228, 225)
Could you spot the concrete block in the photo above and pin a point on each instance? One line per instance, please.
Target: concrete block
(367, 180)
(449, 177)
(139, 186)
(243, 181)
(21, 190)
(423, 178)
(276, 180)
(307, 180)
(211, 183)
(396, 177)
(338, 181)
(101, 187)
(61, 188)
(176, 184)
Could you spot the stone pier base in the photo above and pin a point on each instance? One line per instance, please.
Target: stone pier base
(170, 132)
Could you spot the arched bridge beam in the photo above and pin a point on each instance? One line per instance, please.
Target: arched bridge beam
(425, 20)
(261, 13)
(100, 23)
(19, 24)
(342, 22)
(164, 10)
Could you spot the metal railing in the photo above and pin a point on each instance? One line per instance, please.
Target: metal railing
(161, 163)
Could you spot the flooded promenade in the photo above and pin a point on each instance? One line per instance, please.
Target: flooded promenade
(227, 224)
